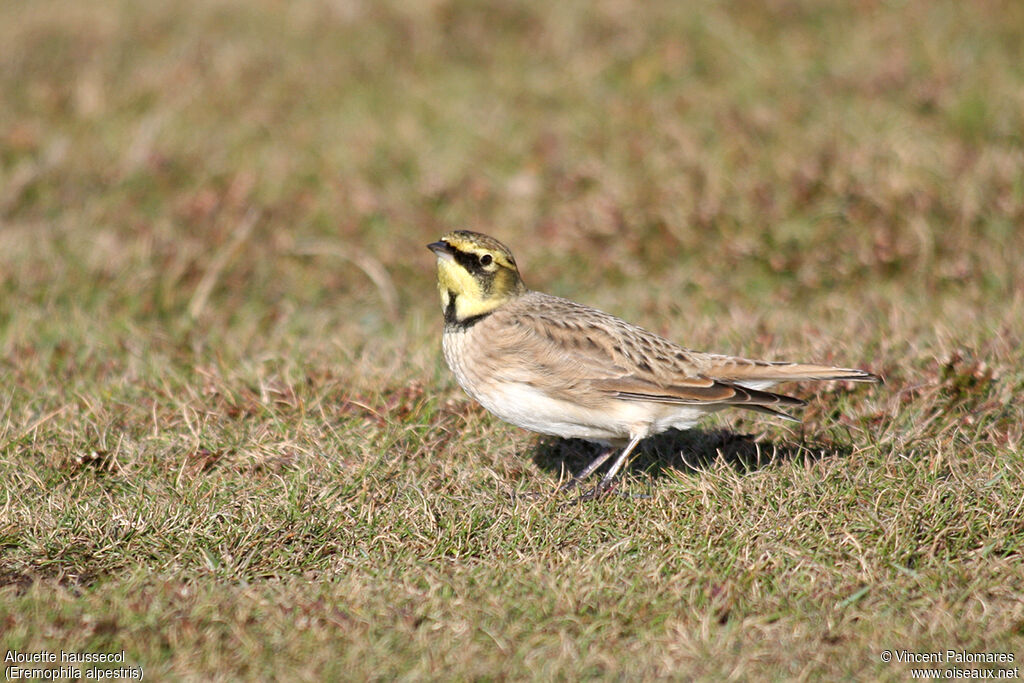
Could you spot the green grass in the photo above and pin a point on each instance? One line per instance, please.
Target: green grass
(228, 444)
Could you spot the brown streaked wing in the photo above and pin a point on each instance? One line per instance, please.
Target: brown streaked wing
(595, 351)
(719, 392)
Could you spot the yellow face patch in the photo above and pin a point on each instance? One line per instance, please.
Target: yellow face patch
(475, 275)
(455, 281)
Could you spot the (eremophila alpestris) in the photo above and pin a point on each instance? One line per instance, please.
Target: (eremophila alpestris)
(556, 367)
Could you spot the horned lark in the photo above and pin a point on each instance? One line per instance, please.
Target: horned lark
(557, 367)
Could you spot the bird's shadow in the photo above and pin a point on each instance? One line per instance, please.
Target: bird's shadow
(688, 451)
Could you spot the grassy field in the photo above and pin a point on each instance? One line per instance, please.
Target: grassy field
(229, 446)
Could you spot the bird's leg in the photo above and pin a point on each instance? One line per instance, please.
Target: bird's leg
(588, 470)
(617, 465)
(605, 487)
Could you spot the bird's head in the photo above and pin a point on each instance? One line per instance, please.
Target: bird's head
(475, 275)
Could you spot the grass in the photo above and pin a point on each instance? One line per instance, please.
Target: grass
(229, 446)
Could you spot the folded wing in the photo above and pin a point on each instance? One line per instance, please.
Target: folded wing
(599, 354)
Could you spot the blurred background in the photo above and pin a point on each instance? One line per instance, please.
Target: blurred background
(233, 181)
(662, 159)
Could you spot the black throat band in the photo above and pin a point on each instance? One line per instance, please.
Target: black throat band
(450, 319)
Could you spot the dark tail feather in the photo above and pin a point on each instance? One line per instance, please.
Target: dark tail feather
(769, 411)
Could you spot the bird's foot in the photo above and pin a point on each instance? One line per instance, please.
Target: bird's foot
(603, 491)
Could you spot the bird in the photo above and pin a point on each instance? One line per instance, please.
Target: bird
(560, 368)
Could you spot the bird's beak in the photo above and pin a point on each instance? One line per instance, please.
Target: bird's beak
(442, 249)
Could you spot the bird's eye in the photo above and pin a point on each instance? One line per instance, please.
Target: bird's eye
(486, 259)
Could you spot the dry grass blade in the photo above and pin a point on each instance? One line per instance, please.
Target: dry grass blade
(220, 260)
(371, 267)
